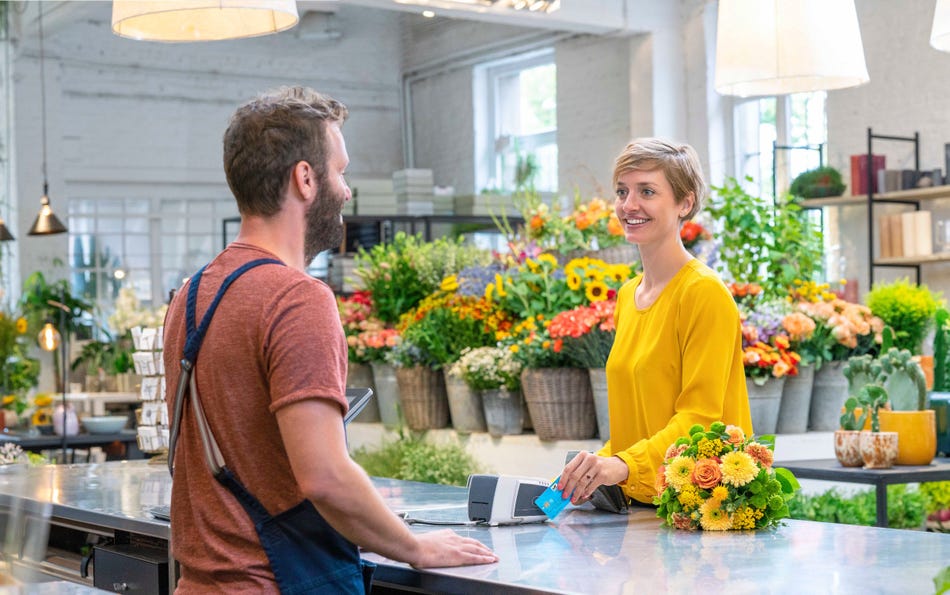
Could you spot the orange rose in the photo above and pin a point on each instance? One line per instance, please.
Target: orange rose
(706, 473)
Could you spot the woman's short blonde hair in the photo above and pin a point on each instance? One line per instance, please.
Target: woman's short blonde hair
(679, 163)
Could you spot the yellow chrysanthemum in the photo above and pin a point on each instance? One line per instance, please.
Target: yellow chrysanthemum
(745, 517)
(714, 518)
(21, 325)
(689, 497)
(679, 472)
(500, 286)
(596, 291)
(489, 292)
(738, 468)
(573, 281)
(533, 266)
(709, 448)
(450, 283)
(514, 348)
(719, 493)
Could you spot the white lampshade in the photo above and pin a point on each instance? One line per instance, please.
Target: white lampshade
(201, 20)
(940, 32)
(776, 47)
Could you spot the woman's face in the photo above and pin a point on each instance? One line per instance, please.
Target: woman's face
(647, 208)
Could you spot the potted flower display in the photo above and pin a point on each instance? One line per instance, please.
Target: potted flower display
(719, 480)
(496, 374)
(586, 334)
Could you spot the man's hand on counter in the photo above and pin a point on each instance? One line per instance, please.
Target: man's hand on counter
(448, 548)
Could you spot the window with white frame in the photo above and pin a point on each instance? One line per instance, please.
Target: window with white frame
(796, 124)
(517, 120)
(151, 245)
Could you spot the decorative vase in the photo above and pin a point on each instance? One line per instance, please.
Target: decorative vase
(878, 449)
(917, 431)
(796, 401)
(465, 406)
(502, 411)
(828, 395)
(560, 402)
(72, 420)
(765, 400)
(598, 384)
(360, 375)
(848, 448)
(387, 393)
(425, 404)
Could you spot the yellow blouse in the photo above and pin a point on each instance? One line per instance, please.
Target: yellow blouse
(673, 364)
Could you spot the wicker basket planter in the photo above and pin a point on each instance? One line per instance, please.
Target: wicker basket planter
(425, 404)
(561, 403)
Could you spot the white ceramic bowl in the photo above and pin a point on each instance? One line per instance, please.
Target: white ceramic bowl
(105, 424)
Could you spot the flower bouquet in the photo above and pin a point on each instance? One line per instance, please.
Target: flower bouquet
(585, 334)
(718, 479)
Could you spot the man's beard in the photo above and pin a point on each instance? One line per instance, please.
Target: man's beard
(324, 226)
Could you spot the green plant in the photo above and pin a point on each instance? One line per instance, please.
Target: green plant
(908, 309)
(942, 350)
(797, 252)
(849, 419)
(444, 324)
(904, 380)
(411, 458)
(937, 494)
(35, 303)
(872, 398)
(817, 183)
(905, 507)
(388, 272)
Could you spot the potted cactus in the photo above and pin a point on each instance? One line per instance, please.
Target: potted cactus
(878, 448)
(900, 375)
(848, 437)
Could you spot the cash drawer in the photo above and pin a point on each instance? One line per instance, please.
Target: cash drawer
(125, 568)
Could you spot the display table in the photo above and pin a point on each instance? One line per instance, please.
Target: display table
(831, 469)
(584, 551)
(37, 443)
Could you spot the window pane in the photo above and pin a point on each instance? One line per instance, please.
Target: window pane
(538, 99)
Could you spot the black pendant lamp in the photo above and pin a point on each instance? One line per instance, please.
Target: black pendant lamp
(46, 222)
(5, 235)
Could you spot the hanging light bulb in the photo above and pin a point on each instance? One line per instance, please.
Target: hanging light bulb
(46, 222)
(49, 338)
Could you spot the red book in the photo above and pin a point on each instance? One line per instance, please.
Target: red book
(859, 173)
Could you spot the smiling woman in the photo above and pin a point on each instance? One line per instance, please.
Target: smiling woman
(676, 360)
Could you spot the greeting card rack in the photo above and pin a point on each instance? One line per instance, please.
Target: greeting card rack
(153, 428)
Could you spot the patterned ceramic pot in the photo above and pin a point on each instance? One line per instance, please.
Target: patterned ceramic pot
(878, 449)
(848, 448)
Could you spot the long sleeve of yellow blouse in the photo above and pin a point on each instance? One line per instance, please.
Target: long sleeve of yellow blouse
(673, 364)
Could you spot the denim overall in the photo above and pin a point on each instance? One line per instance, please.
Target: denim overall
(306, 554)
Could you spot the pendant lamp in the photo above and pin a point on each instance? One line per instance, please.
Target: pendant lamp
(940, 31)
(5, 235)
(776, 47)
(201, 20)
(46, 222)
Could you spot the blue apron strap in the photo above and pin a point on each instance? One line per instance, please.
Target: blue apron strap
(193, 339)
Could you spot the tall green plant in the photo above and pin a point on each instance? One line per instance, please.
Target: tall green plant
(770, 245)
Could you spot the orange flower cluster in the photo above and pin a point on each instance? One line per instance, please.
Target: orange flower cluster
(845, 320)
(597, 210)
(762, 360)
(585, 333)
(691, 233)
(741, 290)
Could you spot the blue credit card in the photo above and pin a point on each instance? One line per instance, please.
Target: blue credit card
(551, 502)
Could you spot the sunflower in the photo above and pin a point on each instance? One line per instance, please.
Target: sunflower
(596, 291)
(42, 417)
(21, 325)
(573, 281)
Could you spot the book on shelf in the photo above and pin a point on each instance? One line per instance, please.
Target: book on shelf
(923, 233)
(908, 233)
(897, 235)
(884, 235)
(859, 172)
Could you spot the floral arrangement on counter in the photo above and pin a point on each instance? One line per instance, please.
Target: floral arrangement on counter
(719, 479)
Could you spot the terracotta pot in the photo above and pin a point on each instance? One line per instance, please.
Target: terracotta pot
(878, 449)
(917, 444)
(848, 448)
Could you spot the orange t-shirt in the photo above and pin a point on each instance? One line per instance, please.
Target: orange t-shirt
(275, 339)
